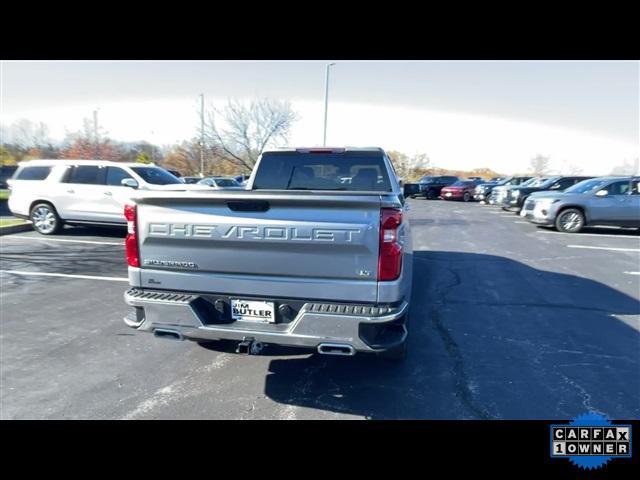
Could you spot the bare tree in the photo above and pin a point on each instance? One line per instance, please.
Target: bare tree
(400, 163)
(629, 167)
(574, 170)
(26, 134)
(409, 168)
(240, 132)
(184, 157)
(540, 164)
(420, 162)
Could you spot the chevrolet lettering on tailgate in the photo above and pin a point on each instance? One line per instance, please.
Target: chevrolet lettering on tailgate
(249, 232)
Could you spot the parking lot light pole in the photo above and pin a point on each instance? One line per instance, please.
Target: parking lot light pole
(202, 134)
(326, 103)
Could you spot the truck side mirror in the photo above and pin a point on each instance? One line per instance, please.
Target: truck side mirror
(602, 193)
(129, 182)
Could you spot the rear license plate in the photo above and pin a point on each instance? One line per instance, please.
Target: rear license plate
(253, 311)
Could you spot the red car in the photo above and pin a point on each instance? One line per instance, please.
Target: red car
(461, 190)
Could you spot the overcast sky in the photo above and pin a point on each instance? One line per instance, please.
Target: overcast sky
(463, 114)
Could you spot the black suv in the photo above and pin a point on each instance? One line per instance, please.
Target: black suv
(430, 186)
(6, 172)
(516, 196)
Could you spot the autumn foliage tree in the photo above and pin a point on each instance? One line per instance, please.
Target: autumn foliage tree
(90, 143)
(409, 168)
(185, 158)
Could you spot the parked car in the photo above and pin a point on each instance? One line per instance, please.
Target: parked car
(430, 186)
(515, 197)
(255, 266)
(482, 190)
(51, 193)
(411, 190)
(475, 178)
(605, 201)
(242, 179)
(220, 182)
(498, 191)
(6, 172)
(460, 190)
(190, 180)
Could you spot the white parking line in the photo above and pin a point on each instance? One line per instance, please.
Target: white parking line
(66, 240)
(66, 275)
(606, 248)
(591, 235)
(632, 273)
(520, 221)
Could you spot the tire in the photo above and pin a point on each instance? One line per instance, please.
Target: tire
(466, 197)
(45, 219)
(570, 220)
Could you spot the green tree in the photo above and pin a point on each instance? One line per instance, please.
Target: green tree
(143, 157)
(6, 157)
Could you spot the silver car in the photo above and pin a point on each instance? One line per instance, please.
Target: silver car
(220, 182)
(604, 201)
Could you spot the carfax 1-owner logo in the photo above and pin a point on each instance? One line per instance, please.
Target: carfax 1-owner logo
(590, 441)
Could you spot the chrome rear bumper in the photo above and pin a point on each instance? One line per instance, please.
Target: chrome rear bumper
(365, 328)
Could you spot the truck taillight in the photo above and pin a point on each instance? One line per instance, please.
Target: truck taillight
(390, 256)
(131, 242)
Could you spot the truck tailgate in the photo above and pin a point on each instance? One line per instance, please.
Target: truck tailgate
(293, 244)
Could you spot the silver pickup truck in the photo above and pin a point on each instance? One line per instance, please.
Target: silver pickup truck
(315, 253)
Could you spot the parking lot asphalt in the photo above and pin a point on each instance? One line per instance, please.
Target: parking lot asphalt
(508, 321)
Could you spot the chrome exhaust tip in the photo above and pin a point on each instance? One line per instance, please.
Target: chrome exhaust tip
(168, 334)
(343, 349)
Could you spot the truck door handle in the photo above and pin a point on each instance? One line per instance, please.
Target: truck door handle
(108, 193)
(70, 191)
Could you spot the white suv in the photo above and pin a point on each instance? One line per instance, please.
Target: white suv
(51, 193)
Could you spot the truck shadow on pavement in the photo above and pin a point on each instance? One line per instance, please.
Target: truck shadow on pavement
(490, 338)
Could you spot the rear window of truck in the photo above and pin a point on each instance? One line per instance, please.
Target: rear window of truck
(322, 171)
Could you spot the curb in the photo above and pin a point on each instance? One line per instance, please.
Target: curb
(23, 227)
